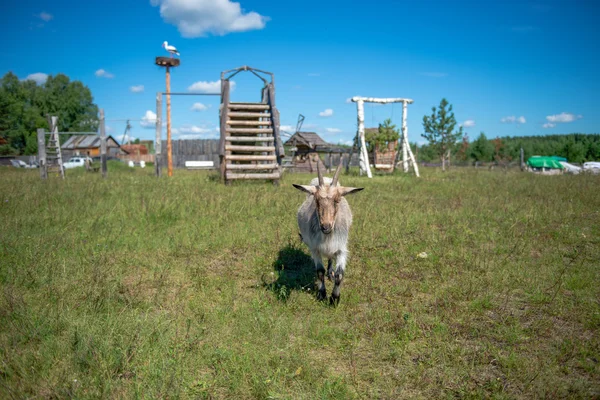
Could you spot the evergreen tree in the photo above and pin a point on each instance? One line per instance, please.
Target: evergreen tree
(482, 149)
(439, 130)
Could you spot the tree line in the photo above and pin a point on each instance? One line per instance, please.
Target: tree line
(446, 143)
(25, 105)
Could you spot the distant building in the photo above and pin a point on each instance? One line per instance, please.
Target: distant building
(305, 147)
(89, 145)
(134, 149)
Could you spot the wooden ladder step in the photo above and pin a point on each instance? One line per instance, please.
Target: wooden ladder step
(272, 175)
(251, 166)
(248, 106)
(234, 122)
(230, 147)
(233, 114)
(244, 157)
(250, 130)
(250, 138)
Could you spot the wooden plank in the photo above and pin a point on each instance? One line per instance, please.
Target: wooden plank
(248, 106)
(258, 123)
(234, 114)
(231, 147)
(250, 138)
(244, 157)
(103, 144)
(252, 166)
(249, 130)
(273, 175)
(157, 140)
(41, 137)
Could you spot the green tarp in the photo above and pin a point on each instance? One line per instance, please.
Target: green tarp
(545, 162)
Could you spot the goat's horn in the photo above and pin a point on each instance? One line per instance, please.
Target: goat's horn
(319, 173)
(337, 173)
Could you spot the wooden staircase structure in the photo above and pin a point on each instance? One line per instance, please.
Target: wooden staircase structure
(250, 145)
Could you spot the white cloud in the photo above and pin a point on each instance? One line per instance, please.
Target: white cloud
(195, 18)
(137, 89)
(104, 74)
(563, 117)
(548, 125)
(195, 129)
(346, 142)
(38, 77)
(45, 16)
(511, 119)
(435, 74)
(328, 112)
(199, 107)
(333, 130)
(213, 87)
(196, 132)
(148, 121)
(287, 128)
(468, 123)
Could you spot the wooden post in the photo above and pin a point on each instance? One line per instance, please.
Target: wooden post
(158, 144)
(41, 138)
(522, 160)
(169, 144)
(103, 144)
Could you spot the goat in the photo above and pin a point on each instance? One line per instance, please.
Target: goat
(324, 220)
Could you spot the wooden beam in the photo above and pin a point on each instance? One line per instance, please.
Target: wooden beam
(234, 114)
(250, 138)
(252, 166)
(103, 145)
(41, 138)
(274, 175)
(243, 157)
(158, 139)
(234, 122)
(169, 143)
(231, 147)
(250, 130)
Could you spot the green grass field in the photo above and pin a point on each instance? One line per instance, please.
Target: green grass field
(133, 287)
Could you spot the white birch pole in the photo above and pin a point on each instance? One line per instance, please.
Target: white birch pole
(407, 153)
(363, 157)
(404, 137)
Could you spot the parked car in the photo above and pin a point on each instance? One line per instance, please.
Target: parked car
(77, 161)
(22, 164)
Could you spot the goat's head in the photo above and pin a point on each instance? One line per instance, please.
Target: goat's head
(327, 198)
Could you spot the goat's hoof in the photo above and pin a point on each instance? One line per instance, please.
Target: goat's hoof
(331, 275)
(321, 295)
(334, 301)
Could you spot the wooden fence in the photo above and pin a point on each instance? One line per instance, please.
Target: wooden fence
(136, 157)
(192, 150)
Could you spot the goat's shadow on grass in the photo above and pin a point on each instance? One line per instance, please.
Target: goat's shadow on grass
(293, 270)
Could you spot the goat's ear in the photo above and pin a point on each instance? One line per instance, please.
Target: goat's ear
(306, 188)
(343, 191)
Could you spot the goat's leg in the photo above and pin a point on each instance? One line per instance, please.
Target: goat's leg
(322, 293)
(340, 263)
(330, 272)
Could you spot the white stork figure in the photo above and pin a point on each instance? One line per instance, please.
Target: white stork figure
(170, 49)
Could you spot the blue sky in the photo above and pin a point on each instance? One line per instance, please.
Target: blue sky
(508, 67)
